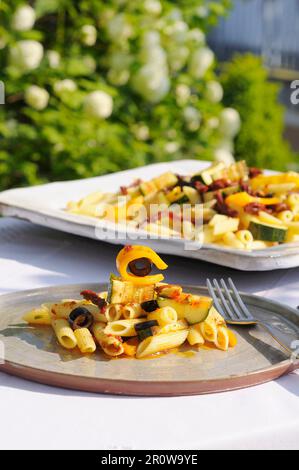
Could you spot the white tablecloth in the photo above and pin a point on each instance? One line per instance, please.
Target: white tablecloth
(36, 416)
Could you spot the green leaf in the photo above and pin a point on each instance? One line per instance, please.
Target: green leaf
(44, 7)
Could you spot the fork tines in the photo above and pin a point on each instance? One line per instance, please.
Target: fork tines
(228, 302)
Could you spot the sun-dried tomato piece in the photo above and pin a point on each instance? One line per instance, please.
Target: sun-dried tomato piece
(254, 208)
(200, 187)
(282, 206)
(221, 183)
(244, 185)
(94, 298)
(222, 208)
(135, 183)
(229, 211)
(124, 189)
(253, 172)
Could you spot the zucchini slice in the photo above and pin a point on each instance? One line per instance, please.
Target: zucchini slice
(169, 291)
(234, 172)
(193, 308)
(231, 190)
(269, 233)
(123, 292)
(166, 180)
(206, 176)
(192, 194)
(182, 200)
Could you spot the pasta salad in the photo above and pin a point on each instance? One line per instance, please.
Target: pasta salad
(233, 206)
(138, 316)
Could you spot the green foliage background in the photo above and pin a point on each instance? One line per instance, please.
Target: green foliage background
(248, 90)
(63, 141)
(66, 141)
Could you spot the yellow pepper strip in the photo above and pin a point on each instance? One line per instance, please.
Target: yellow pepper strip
(261, 181)
(130, 347)
(130, 253)
(175, 194)
(232, 339)
(268, 201)
(242, 199)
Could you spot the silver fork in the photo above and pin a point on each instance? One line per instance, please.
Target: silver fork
(231, 306)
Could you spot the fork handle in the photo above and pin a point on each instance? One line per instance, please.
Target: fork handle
(282, 338)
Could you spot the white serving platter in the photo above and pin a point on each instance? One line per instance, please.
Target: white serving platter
(45, 205)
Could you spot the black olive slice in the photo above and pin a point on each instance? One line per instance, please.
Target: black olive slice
(140, 267)
(80, 317)
(149, 306)
(145, 325)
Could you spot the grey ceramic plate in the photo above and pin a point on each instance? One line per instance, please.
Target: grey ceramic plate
(33, 353)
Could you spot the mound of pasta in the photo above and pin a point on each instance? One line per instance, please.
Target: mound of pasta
(138, 316)
(233, 206)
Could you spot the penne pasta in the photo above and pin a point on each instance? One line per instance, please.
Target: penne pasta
(159, 230)
(38, 316)
(214, 316)
(170, 327)
(195, 336)
(210, 204)
(103, 294)
(122, 327)
(295, 210)
(93, 198)
(164, 316)
(143, 315)
(64, 333)
(292, 237)
(285, 216)
(113, 312)
(208, 234)
(85, 340)
(258, 245)
(268, 218)
(222, 224)
(293, 227)
(281, 188)
(231, 239)
(111, 345)
(63, 309)
(133, 310)
(98, 331)
(158, 343)
(228, 199)
(293, 200)
(208, 214)
(208, 329)
(188, 230)
(245, 237)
